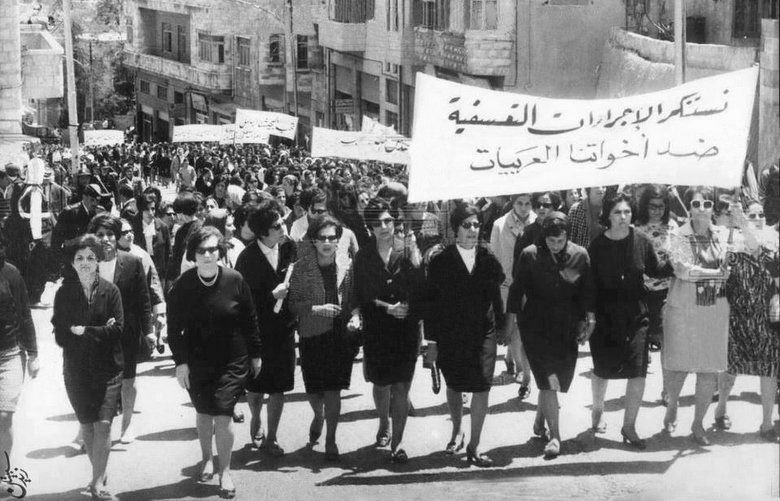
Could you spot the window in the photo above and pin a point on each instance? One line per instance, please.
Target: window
(167, 37)
(162, 92)
(211, 48)
(145, 87)
(748, 15)
(302, 52)
(391, 68)
(244, 53)
(391, 91)
(432, 14)
(178, 97)
(391, 119)
(181, 44)
(129, 24)
(392, 15)
(351, 11)
(483, 15)
(276, 49)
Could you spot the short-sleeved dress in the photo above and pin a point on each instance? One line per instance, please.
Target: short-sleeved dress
(558, 290)
(213, 329)
(619, 343)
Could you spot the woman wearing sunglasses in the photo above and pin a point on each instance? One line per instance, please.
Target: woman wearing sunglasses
(696, 315)
(460, 325)
(754, 346)
(319, 294)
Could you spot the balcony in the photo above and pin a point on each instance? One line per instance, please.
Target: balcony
(205, 76)
(343, 25)
(475, 52)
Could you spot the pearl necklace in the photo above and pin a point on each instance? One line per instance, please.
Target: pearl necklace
(210, 282)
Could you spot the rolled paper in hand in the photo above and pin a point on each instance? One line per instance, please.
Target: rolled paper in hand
(278, 305)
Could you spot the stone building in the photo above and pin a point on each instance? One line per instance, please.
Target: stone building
(196, 61)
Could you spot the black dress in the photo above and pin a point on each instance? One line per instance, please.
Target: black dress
(462, 315)
(277, 330)
(390, 344)
(558, 291)
(213, 329)
(619, 344)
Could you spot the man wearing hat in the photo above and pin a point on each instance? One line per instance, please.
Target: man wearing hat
(75, 218)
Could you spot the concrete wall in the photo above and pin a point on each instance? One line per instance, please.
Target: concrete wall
(559, 47)
(10, 68)
(41, 64)
(769, 95)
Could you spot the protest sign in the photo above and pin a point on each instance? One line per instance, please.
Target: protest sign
(254, 126)
(371, 126)
(360, 146)
(196, 133)
(228, 135)
(104, 137)
(471, 142)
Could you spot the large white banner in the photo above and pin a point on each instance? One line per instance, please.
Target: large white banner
(360, 146)
(475, 142)
(254, 126)
(228, 135)
(196, 133)
(103, 137)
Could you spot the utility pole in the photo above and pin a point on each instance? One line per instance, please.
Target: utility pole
(73, 117)
(91, 88)
(294, 61)
(679, 42)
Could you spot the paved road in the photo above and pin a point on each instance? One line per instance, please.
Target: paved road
(162, 462)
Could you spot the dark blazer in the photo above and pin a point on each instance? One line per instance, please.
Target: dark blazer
(95, 356)
(180, 247)
(161, 243)
(130, 278)
(73, 222)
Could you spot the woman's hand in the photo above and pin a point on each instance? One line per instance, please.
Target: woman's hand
(432, 354)
(280, 292)
(183, 375)
(586, 330)
(355, 323)
(77, 329)
(256, 366)
(111, 322)
(399, 310)
(32, 366)
(326, 310)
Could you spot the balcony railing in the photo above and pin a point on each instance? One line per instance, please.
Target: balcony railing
(214, 77)
(351, 11)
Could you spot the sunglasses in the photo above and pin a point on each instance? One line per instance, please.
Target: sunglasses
(544, 205)
(172, 214)
(125, 232)
(467, 226)
(206, 250)
(754, 215)
(388, 221)
(319, 212)
(656, 206)
(328, 238)
(702, 204)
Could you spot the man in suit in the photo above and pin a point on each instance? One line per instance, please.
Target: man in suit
(126, 272)
(73, 221)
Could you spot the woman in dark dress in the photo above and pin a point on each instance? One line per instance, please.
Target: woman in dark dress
(88, 322)
(620, 257)
(460, 325)
(264, 265)
(319, 297)
(554, 276)
(384, 280)
(212, 332)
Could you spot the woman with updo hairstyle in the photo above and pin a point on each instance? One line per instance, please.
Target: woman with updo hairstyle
(264, 263)
(213, 335)
(460, 325)
(385, 281)
(620, 258)
(88, 321)
(553, 298)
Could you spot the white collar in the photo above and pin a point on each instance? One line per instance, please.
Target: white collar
(266, 249)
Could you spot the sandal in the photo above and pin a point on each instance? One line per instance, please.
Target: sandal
(476, 459)
(455, 445)
(383, 438)
(258, 441)
(399, 456)
(524, 391)
(100, 494)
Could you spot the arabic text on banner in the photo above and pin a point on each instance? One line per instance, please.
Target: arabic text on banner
(359, 146)
(228, 133)
(254, 126)
(475, 142)
(103, 137)
(196, 133)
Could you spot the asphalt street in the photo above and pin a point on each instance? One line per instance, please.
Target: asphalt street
(161, 463)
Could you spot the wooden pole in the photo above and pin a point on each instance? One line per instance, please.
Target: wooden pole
(679, 42)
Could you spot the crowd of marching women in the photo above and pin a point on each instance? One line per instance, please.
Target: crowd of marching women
(260, 243)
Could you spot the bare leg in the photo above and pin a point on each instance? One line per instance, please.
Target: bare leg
(725, 385)
(478, 408)
(88, 435)
(275, 407)
(382, 402)
(332, 399)
(598, 387)
(673, 382)
(223, 434)
(705, 387)
(400, 411)
(455, 403)
(635, 390)
(205, 425)
(101, 445)
(6, 438)
(129, 393)
(316, 401)
(255, 403)
(548, 407)
(768, 392)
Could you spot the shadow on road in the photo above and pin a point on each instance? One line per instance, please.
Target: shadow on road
(67, 451)
(187, 488)
(62, 417)
(159, 370)
(178, 434)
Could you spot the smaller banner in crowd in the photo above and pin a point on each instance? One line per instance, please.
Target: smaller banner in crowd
(197, 133)
(360, 146)
(471, 142)
(372, 126)
(104, 137)
(254, 126)
(227, 134)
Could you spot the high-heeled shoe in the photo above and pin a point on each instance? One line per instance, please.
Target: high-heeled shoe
(553, 449)
(598, 425)
(479, 460)
(700, 438)
(100, 494)
(383, 438)
(636, 442)
(456, 445)
(540, 431)
(226, 492)
(723, 422)
(669, 426)
(206, 471)
(258, 441)
(399, 456)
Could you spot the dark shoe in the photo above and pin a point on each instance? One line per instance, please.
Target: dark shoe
(553, 449)
(238, 417)
(540, 431)
(226, 493)
(332, 452)
(722, 423)
(315, 430)
(383, 438)
(206, 471)
(635, 441)
(258, 441)
(598, 425)
(524, 391)
(456, 445)
(769, 435)
(160, 348)
(480, 460)
(399, 456)
(272, 447)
